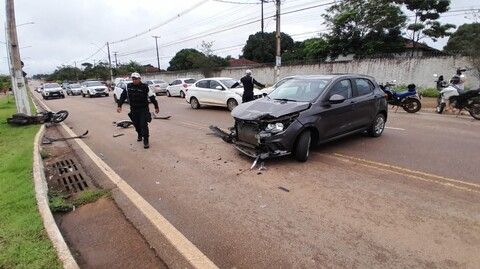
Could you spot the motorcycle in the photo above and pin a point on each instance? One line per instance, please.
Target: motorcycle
(408, 100)
(454, 94)
(40, 118)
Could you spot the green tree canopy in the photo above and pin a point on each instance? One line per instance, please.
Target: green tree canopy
(465, 41)
(262, 47)
(186, 59)
(364, 27)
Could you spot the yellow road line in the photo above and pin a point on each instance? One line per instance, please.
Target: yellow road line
(407, 172)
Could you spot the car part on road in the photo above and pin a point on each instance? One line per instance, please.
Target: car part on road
(227, 137)
(40, 118)
(49, 140)
(154, 116)
(123, 123)
(284, 189)
(117, 135)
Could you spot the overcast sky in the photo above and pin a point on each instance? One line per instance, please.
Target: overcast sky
(65, 31)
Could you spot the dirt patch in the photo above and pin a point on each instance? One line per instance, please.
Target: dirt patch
(95, 229)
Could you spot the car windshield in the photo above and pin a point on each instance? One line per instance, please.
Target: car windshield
(51, 85)
(93, 83)
(158, 81)
(229, 83)
(190, 81)
(299, 90)
(74, 85)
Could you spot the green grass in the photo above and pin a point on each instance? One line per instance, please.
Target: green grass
(23, 240)
(90, 196)
(60, 203)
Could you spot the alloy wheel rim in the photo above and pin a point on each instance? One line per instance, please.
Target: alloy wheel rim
(379, 125)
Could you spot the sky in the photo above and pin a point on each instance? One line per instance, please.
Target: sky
(69, 32)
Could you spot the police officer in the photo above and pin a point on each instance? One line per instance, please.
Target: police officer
(138, 94)
(248, 81)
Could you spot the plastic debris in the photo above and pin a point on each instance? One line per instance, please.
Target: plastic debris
(284, 189)
(117, 135)
(262, 167)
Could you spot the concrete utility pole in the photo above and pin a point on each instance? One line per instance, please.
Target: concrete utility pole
(158, 55)
(110, 63)
(76, 73)
(116, 62)
(263, 1)
(18, 81)
(278, 59)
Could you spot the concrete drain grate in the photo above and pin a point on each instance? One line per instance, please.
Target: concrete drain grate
(68, 175)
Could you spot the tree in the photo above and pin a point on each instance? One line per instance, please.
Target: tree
(466, 41)
(65, 72)
(186, 59)
(313, 49)
(127, 69)
(262, 47)
(426, 24)
(364, 27)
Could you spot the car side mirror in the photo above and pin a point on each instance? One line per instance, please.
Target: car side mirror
(264, 94)
(219, 88)
(336, 99)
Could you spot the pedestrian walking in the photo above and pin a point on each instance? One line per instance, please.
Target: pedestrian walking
(248, 83)
(138, 95)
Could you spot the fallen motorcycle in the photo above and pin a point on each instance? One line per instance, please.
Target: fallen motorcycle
(408, 100)
(40, 118)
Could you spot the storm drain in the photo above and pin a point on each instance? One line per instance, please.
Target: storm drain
(68, 175)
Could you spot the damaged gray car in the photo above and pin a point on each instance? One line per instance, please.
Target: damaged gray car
(306, 110)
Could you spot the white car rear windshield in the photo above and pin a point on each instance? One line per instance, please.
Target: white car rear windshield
(158, 81)
(93, 83)
(229, 83)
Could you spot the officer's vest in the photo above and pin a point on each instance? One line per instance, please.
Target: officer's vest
(138, 95)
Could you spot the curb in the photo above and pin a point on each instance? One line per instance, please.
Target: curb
(41, 194)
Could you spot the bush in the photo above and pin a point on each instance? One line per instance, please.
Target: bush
(429, 92)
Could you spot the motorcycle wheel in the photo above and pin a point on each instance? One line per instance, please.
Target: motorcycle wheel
(440, 108)
(412, 105)
(474, 110)
(59, 116)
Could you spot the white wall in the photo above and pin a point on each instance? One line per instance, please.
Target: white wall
(409, 70)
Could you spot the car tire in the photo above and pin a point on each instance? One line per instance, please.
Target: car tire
(83, 95)
(194, 103)
(182, 94)
(302, 147)
(231, 104)
(106, 95)
(378, 126)
(168, 94)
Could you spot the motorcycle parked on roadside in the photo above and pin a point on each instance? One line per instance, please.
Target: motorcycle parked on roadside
(453, 94)
(408, 100)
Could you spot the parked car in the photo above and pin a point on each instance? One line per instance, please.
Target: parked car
(119, 88)
(94, 88)
(74, 89)
(52, 90)
(179, 87)
(158, 86)
(216, 92)
(270, 89)
(305, 110)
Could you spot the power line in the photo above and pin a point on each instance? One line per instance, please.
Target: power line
(237, 3)
(163, 23)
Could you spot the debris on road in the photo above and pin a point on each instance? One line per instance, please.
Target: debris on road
(284, 189)
(48, 140)
(227, 137)
(160, 117)
(123, 123)
(117, 135)
(263, 206)
(262, 167)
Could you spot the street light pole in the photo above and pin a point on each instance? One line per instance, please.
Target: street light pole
(278, 59)
(158, 55)
(110, 63)
(18, 81)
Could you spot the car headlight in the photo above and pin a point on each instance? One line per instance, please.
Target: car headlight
(46, 93)
(275, 127)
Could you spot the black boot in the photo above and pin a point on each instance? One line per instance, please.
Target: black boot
(139, 138)
(145, 143)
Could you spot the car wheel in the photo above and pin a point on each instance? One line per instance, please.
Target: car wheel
(194, 103)
(377, 127)
(182, 94)
(302, 147)
(63, 96)
(231, 104)
(106, 94)
(168, 94)
(83, 95)
(44, 98)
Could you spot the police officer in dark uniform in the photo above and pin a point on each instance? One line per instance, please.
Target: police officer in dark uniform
(248, 81)
(138, 94)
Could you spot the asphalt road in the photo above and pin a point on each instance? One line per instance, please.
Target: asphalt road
(410, 199)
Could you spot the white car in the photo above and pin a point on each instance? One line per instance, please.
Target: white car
(270, 89)
(94, 88)
(119, 88)
(52, 90)
(158, 86)
(179, 87)
(217, 92)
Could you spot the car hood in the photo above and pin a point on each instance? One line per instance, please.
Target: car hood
(96, 87)
(53, 89)
(265, 108)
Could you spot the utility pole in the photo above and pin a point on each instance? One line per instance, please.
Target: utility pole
(116, 62)
(278, 59)
(110, 63)
(18, 81)
(158, 55)
(263, 1)
(76, 73)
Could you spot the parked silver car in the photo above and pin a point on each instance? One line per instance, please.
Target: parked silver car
(158, 86)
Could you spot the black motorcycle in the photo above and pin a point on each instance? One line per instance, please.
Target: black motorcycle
(408, 100)
(469, 101)
(40, 118)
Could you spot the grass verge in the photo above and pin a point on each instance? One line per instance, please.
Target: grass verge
(61, 203)
(23, 240)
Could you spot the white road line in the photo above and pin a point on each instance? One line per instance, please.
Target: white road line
(395, 128)
(188, 251)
